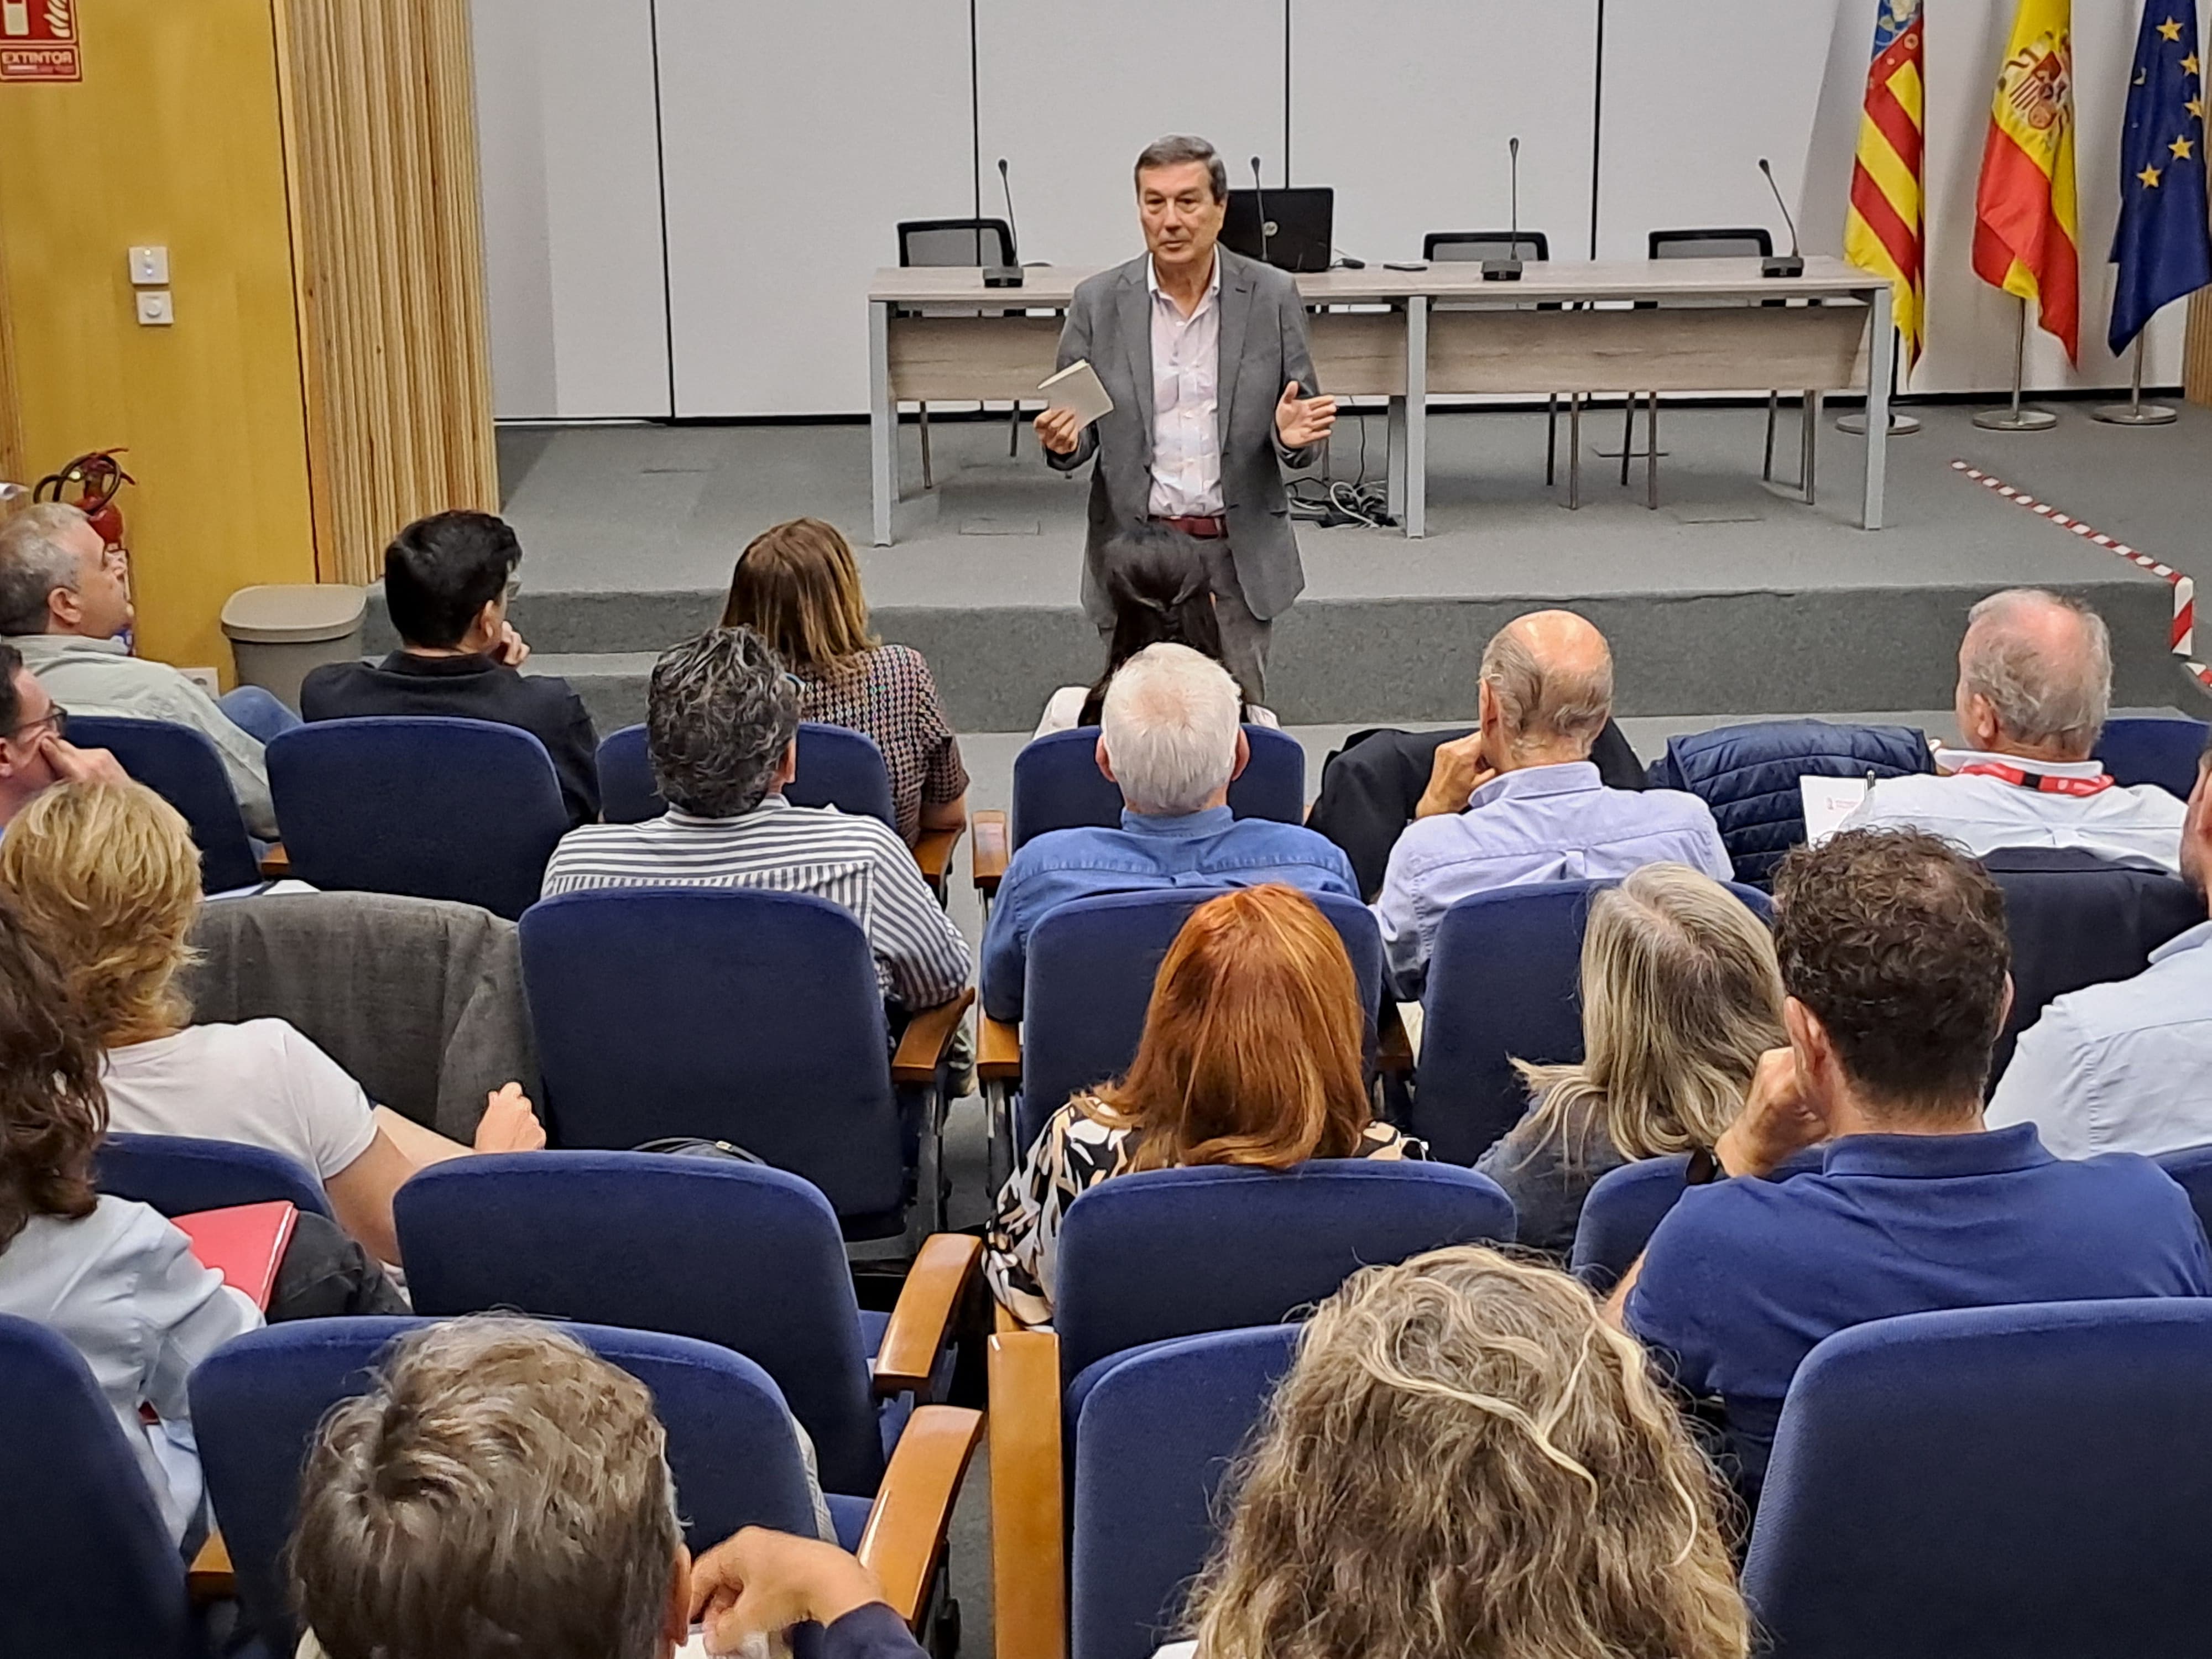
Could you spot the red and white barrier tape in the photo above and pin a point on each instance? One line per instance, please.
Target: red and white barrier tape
(2184, 635)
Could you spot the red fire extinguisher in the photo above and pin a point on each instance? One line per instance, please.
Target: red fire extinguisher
(97, 478)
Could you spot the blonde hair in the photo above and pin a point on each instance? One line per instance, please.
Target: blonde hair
(106, 876)
(1681, 994)
(1466, 1462)
(799, 587)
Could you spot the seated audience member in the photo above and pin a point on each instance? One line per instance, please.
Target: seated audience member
(35, 753)
(112, 1277)
(1252, 1055)
(447, 583)
(1159, 599)
(65, 600)
(2127, 1067)
(2035, 681)
(1170, 738)
(721, 720)
(106, 877)
(1893, 953)
(1681, 997)
(798, 587)
(1521, 801)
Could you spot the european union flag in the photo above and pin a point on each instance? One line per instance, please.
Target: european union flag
(2164, 245)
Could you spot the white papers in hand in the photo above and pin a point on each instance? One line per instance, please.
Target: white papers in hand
(1828, 802)
(1078, 387)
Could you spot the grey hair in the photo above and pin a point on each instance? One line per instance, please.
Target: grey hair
(720, 713)
(1178, 149)
(34, 563)
(1169, 725)
(1541, 705)
(2040, 696)
(499, 1490)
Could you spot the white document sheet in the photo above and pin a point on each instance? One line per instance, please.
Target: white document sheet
(1828, 802)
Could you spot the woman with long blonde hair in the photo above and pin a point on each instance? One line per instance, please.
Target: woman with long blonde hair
(1681, 994)
(1465, 1462)
(1253, 1055)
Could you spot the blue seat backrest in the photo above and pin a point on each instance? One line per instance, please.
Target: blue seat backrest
(87, 1564)
(1058, 785)
(1748, 775)
(257, 1400)
(1995, 1482)
(836, 767)
(181, 1175)
(1504, 983)
(426, 806)
(1156, 1434)
(1618, 1215)
(179, 765)
(2136, 749)
(1172, 1253)
(628, 794)
(754, 1017)
(2191, 1166)
(1089, 977)
(618, 1238)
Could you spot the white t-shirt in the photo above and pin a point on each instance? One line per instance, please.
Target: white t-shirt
(260, 1083)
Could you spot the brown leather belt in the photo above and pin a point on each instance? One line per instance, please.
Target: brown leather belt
(1206, 530)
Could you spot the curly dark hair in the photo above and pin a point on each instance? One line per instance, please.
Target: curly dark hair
(53, 1111)
(719, 712)
(1895, 941)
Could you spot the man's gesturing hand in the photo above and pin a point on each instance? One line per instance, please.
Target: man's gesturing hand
(1058, 430)
(1303, 420)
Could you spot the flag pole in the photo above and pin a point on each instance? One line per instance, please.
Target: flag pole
(1901, 425)
(2136, 411)
(2017, 419)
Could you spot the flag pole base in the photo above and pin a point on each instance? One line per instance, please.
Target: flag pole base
(2015, 420)
(2136, 414)
(1901, 425)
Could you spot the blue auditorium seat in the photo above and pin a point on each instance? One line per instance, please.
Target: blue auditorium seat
(1058, 785)
(837, 768)
(2136, 748)
(179, 765)
(181, 1175)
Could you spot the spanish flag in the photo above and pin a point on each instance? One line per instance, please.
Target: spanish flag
(1883, 231)
(2026, 224)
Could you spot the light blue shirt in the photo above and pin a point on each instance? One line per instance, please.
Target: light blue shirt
(2123, 1067)
(1213, 848)
(1539, 823)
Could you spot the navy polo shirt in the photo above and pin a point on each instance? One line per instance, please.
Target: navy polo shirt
(1744, 1277)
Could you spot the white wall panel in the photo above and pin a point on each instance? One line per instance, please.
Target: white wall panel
(795, 137)
(571, 181)
(1406, 106)
(1070, 90)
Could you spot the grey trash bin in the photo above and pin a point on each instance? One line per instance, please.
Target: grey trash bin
(280, 631)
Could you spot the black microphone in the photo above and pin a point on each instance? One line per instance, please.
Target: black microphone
(1009, 274)
(1791, 264)
(1509, 269)
(1259, 205)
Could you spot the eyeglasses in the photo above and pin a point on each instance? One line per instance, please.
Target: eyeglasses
(56, 719)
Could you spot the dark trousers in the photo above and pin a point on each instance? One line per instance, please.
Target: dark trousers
(326, 1275)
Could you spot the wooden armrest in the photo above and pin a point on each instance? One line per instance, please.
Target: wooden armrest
(993, 848)
(904, 1538)
(276, 863)
(998, 1051)
(922, 1319)
(1029, 1545)
(927, 1036)
(1003, 1323)
(210, 1577)
(933, 852)
(1394, 1055)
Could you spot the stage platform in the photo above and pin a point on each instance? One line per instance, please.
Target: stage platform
(1735, 599)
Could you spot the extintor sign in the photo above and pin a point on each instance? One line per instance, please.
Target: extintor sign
(38, 40)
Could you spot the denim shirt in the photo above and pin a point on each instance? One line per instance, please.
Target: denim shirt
(1208, 849)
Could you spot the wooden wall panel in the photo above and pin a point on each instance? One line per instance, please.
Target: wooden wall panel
(2197, 354)
(11, 413)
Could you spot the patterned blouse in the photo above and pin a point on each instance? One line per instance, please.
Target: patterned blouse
(888, 694)
(1074, 1153)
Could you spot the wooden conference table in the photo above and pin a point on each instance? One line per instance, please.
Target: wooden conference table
(1625, 325)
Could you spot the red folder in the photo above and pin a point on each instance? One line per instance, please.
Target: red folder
(244, 1244)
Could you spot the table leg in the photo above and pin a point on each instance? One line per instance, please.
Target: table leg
(1416, 416)
(1878, 388)
(1574, 452)
(1396, 429)
(1651, 460)
(1808, 465)
(883, 422)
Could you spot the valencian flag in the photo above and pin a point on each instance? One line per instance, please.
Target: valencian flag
(2026, 223)
(1882, 232)
(2164, 245)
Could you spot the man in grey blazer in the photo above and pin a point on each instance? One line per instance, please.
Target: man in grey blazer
(1204, 353)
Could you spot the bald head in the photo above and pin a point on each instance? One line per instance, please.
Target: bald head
(1547, 682)
(2035, 676)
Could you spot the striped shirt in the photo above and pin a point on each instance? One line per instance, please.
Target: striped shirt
(921, 960)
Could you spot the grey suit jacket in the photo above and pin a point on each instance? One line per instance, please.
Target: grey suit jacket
(1263, 349)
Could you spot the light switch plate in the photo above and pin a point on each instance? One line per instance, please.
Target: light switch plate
(149, 267)
(155, 308)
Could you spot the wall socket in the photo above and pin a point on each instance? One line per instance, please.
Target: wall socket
(149, 267)
(156, 309)
(206, 678)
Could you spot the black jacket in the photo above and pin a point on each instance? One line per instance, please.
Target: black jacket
(471, 689)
